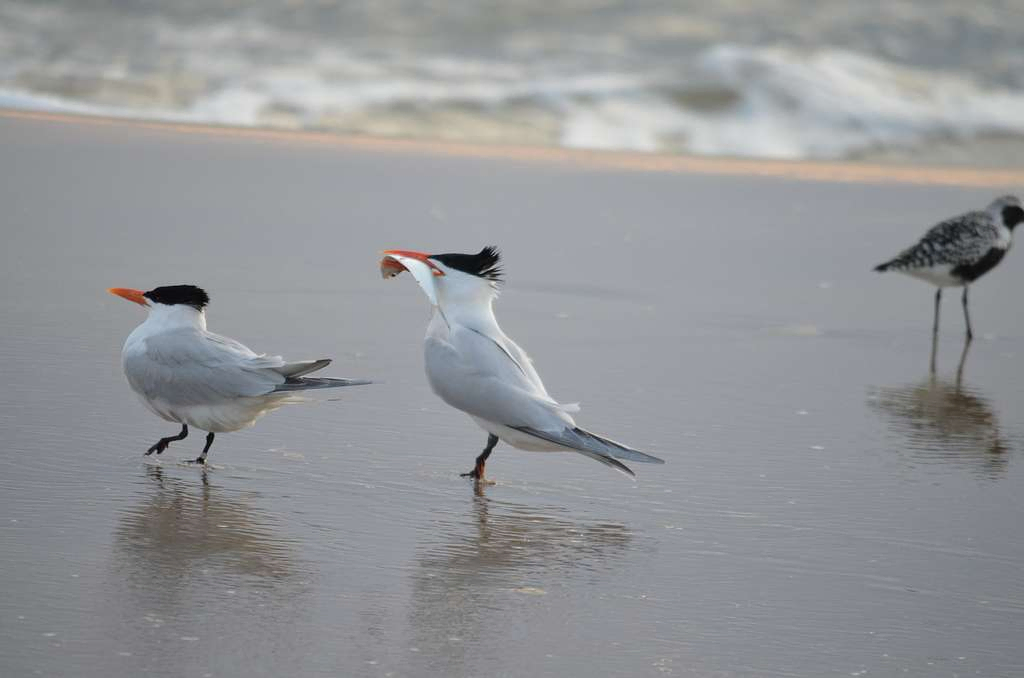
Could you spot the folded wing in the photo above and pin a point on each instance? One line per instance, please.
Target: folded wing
(955, 242)
(477, 375)
(473, 373)
(584, 441)
(191, 367)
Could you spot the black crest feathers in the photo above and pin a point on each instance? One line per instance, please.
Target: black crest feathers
(485, 264)
(190, 295)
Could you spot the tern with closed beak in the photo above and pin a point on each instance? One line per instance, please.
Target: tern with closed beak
(474, 367)
(188, 375)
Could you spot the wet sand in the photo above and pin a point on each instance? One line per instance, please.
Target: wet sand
(828, 507)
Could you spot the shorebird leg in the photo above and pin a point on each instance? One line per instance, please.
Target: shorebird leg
(967, 316)
(162, 444)
(478, 470)
(935, 331)
(960, 365)
(935, 351)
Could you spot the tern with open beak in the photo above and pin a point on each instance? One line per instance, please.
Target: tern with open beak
(474, 367)
(193, 377)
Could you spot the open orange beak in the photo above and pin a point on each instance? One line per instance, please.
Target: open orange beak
(130, 295)
(391, 266)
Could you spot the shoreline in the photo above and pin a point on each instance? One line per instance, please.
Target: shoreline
(800, 170)
(731, 325)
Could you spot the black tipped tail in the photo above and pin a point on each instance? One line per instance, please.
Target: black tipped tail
(617, 449)
(600, 449)
(308, 383)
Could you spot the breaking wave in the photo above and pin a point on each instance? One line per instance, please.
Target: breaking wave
(768, 102)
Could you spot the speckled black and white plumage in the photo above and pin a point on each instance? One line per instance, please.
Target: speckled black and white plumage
(958, 251)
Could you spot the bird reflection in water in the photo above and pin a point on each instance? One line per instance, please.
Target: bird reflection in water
(494, 567)
(184, 551)
(943, 420)
(182, 529)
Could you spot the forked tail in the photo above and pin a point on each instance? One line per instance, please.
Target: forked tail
(294, 381)
(297, 369)
(600, 449)
(309, 383)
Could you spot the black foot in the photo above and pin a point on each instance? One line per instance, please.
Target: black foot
(198, 461)
(158, 448)
(163, 443)
(201, 459)
(472, 474)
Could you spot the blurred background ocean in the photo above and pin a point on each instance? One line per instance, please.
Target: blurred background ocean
(918, 80)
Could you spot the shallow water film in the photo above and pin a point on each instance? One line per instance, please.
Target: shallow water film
(828, 506)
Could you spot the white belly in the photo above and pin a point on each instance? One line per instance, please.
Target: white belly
(936, 275)
(518, 439)
(220, 418)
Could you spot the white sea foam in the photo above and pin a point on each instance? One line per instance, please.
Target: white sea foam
(769, 103)
(20, 100)
(728, 100)
(785, 104)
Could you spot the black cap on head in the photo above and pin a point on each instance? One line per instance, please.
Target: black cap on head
(190, 295)
(484, 264)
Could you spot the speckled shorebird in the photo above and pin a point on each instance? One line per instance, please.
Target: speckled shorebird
(958, 251)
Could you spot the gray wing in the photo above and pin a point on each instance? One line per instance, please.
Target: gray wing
(301, 367)
(472, 372)
(189, 367)
(592, 444)
(310, 383)
(476, 374)
(565, 438)
(961, 240)
(522, 361)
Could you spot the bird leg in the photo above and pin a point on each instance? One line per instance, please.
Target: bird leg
(201, 459)
(935, 351)
(935, 330)
(162, 444)
(960, 365)
(967, 316)
(478, 470)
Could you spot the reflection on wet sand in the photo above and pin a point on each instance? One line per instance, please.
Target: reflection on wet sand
(183, 529)
(491, 568)
(944, 420)
(184, 554)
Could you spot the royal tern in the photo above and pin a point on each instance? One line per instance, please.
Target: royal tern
(474, 367)
(958, 251)
(193, 377)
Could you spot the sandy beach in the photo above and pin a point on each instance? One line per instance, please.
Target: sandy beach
(827, 506)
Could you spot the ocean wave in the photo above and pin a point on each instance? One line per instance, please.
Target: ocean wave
(768, 102)
(776, 103)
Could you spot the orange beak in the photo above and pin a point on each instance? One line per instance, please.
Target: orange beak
(130, 295)
(390, 267)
